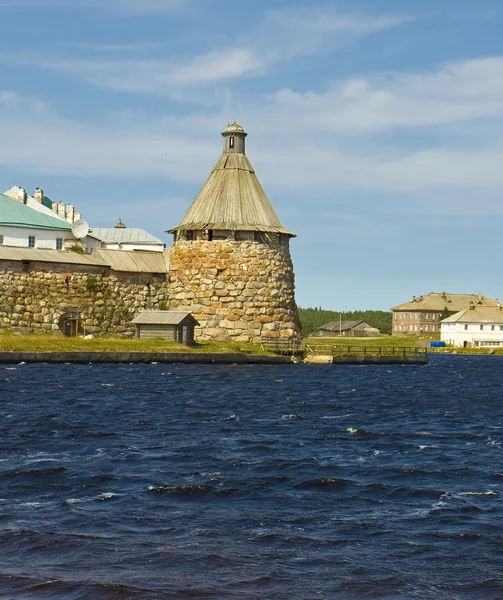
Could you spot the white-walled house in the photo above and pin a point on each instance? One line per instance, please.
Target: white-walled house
(121, 237)
(24, 227)
(474, 327)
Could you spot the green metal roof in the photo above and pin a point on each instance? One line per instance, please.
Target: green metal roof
(14, 213)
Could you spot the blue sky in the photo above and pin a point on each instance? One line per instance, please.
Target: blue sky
(374, 127)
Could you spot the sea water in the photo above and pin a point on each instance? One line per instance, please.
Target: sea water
(252, 482)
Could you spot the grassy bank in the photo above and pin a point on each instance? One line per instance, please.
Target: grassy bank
(52, 343)
(399, 342)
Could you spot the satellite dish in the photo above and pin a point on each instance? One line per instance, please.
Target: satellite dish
(80, 229)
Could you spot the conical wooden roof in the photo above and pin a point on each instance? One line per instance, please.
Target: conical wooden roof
(232, 198)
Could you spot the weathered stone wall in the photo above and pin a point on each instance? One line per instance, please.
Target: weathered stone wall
(236, 290)
(36, 300)
(239, 290)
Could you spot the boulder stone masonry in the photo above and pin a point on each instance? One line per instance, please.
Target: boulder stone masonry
(239, 291)
(36, 301)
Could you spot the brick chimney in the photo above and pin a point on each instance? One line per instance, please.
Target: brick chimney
(39, 195)
(22, 196)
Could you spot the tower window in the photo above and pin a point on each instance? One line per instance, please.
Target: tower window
(210, 235)
(189, 236)
(231, 142)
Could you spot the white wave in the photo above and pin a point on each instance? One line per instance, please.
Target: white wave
(336, 416)
(108, 496)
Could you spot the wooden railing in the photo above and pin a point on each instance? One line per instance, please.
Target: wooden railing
(343, 350)
(280, 345)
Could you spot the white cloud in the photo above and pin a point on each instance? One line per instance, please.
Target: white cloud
(282, 36)
(460, 91)
(304, 157)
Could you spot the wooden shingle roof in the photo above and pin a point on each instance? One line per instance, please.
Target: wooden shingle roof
(232, 199)
(163, 317)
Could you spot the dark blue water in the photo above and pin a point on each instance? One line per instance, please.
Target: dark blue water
(258, 482)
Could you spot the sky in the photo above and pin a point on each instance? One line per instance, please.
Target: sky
(374, 127)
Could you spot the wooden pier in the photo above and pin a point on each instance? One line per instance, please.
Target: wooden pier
(358, 355)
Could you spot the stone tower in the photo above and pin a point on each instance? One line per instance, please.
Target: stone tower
(230, 261)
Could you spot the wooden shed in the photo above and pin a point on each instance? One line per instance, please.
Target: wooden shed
(347, 329)
(173, 325)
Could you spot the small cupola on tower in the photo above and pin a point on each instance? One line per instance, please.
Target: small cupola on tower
(232, 203)
(234, 138)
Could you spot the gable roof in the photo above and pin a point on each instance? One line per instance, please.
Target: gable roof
(343, 325)
(14, 213)
(124, 235)
(478, 314)
(163, 317)
(232, 199)
(439, 301)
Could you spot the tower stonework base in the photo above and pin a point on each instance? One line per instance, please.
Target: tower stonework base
(238, 290)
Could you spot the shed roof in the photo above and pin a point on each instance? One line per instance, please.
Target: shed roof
(14, 213)
(232, 199)
(163, 317)
(137, 261)
(124, 235)
(52, 256)
(478, 314)
(343, 325)
(438, 301)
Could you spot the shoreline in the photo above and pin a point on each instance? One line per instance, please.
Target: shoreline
(142, 357)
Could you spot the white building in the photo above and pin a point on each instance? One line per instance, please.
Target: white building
(121, 237)
(22, 226)
(474, 327)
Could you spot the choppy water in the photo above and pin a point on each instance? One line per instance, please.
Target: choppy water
(288, 482)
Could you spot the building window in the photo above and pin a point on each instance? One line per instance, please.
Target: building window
(210, 235)
(492, 327)
(231, 142)
(481, 328)
(466, 327)
(31, 241)
(59, 243)
(432, 327)
(1, 240)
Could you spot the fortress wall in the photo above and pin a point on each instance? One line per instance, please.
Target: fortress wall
(239, 291)
(34, 299)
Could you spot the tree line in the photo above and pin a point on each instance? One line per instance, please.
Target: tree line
(313, 318)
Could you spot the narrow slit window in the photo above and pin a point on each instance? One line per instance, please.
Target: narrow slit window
(231, 142)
